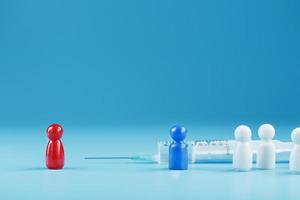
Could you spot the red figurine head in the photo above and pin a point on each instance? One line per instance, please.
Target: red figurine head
(54, 132)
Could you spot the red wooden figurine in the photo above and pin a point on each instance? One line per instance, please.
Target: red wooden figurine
(55, 155)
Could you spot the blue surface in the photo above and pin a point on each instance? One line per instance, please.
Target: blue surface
(23, 173)
(118, 74)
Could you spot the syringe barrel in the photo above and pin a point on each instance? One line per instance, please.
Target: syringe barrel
(220, 151)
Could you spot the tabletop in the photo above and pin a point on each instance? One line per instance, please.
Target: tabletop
(24, 174)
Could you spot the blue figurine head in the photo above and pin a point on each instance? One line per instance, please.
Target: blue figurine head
(178, 133)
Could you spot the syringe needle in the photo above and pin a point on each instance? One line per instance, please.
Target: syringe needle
(109, 158)
(144, 158)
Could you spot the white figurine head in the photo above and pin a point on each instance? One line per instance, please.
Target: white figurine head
(266, 132)
(296, 135)
(242, 133)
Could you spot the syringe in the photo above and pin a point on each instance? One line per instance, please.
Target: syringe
(207, 151)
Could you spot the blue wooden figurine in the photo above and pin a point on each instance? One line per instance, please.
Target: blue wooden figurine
(178, 150)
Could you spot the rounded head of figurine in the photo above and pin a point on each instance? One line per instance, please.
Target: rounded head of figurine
(296, 135)
(55, 132)
(178, 133)
(242, 133)
(266, 132)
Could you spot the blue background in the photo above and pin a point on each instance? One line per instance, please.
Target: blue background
(117, 74)
(128, 62)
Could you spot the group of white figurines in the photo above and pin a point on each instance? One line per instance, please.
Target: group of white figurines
(266, 152)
